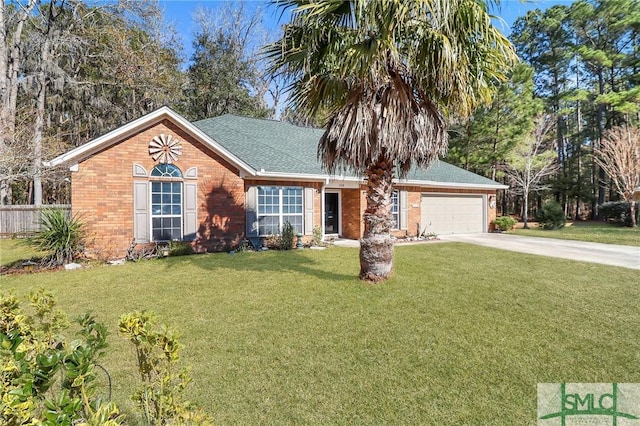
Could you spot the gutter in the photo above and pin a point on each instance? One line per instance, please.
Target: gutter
(311, 177)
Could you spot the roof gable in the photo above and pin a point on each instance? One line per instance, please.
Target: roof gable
(113, 137)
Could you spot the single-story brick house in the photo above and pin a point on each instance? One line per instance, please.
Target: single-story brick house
(217, 181)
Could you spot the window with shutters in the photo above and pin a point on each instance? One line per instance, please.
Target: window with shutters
(277, 205)
(395, 210)
(166, 203)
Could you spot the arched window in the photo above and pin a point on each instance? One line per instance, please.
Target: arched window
(166, 170)
(166, 204)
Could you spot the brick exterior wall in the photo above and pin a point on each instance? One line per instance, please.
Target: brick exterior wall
(102, 192)
(354, 203)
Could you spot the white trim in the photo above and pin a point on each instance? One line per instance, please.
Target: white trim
(304, 176)
(139, 170)
(332, 191)
(322, 191)
(122, 132)
(344, 184)
(280, 215)
(191, 173)
(334, 181)
(287, 177)
(399, 228)
(431, 183)
(152, 180)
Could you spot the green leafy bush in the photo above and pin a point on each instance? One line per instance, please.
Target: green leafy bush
(180, 248)
(283, 241)
(160, 394)
(619, 212)
(551, 216)
(287, 237)
(62, 236)
(316, 241)
(505, 223)
(35, 356)
(47, 379)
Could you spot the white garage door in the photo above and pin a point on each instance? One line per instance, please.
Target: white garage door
(452, 214)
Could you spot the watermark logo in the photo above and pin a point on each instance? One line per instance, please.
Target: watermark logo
(569, 404)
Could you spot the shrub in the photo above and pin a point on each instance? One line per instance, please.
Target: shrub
(551, 216)
(618, 212)
(505, 223)
(244, 246)
(283, 241)
(160, 394)
(316, 241)
(287, 238)
(180, 248)
(45, 378)
(62, 236)
(146, 251)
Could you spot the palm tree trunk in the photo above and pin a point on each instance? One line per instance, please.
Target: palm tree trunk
(376, 246)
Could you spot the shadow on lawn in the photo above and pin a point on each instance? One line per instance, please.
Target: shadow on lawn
(271, 262)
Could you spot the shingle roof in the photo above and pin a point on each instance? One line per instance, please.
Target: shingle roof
(274, 146)
(279, 147)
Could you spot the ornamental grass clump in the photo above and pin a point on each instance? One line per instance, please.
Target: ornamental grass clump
(62, 236)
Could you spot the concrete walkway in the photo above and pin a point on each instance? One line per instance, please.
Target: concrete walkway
(607, 254)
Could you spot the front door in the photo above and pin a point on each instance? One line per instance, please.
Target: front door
(331, 213)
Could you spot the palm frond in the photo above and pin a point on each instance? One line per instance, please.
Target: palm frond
(390, 73)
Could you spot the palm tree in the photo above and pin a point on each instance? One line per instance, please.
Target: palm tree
(389, 73)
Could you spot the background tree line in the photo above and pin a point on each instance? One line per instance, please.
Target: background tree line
(71, 70)
(580, 68)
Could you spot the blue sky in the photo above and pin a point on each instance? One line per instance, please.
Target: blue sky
(179, 13)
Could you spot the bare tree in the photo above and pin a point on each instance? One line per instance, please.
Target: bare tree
(70, 70)
(619, 157)
(531, 161)
(47, 35)
(227, 73)
(12, 22)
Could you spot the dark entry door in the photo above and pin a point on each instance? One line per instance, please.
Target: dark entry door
(331, 213)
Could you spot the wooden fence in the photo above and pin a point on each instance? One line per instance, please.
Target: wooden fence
(18, 221)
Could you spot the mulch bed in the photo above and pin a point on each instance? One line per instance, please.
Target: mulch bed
(17, 268)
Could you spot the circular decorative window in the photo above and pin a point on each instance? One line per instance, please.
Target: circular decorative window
(165, 149)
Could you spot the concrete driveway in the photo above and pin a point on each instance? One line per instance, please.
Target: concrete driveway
(607, 254)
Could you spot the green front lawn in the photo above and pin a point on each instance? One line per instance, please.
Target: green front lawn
(13, 250)
(590, 231)
(460, 335)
